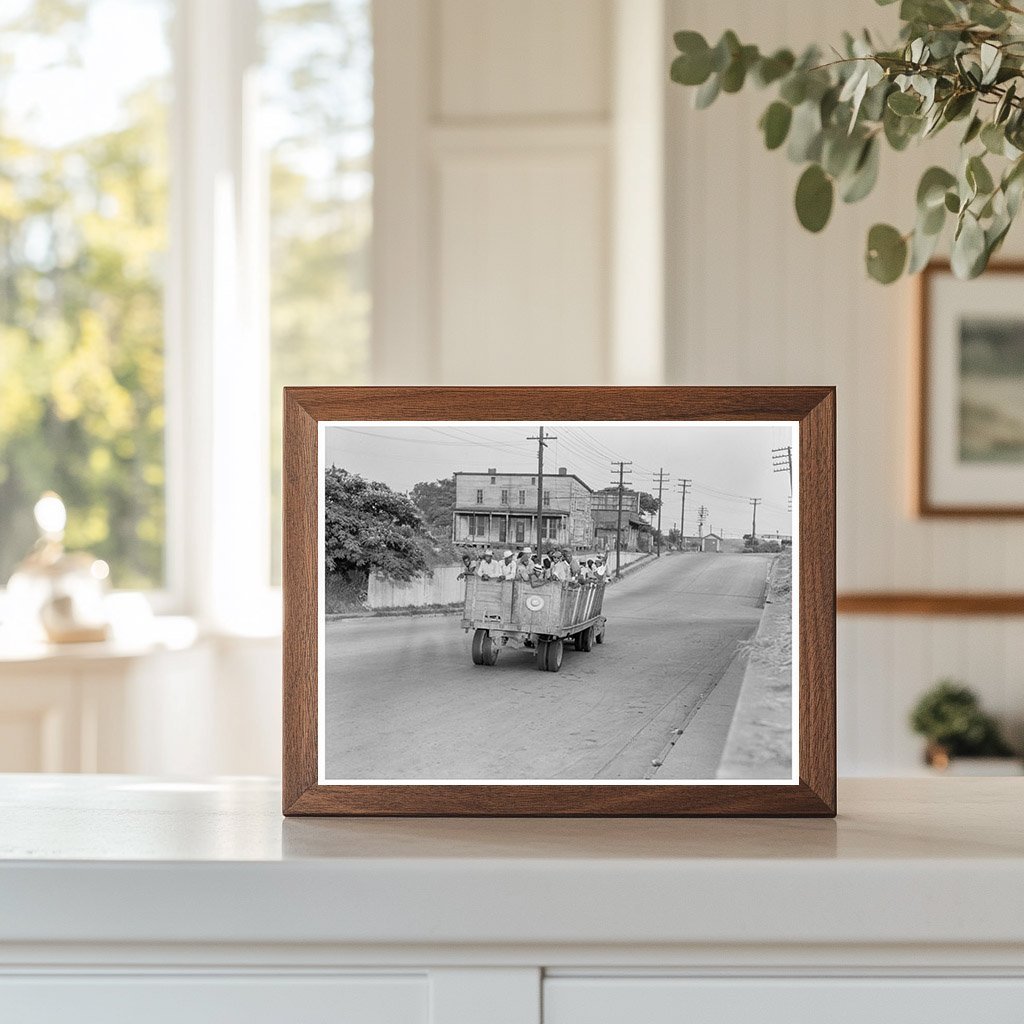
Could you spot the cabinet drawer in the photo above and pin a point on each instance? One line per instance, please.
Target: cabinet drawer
(202, 999)
(569, 1000)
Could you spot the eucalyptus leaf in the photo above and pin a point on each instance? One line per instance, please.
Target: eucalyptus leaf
(805, 133)
(886, 253)
(707, 93)
(865, 173)
(775, 124)
(931, 190)
(922, 248)
(904, 103)
(993, 138)
(814, 195)
(968, 248)
(978, 176)
(771, 69)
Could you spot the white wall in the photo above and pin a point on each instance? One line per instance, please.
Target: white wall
(754, 299)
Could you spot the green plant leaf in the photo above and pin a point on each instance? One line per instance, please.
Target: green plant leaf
(725, 49)
(931, 191)
(693, 65)
(978, 176)
(794, 89)
(903, 103)
(886, 254)
(707, 93)
(865, 173)
(814, 195)
(952, 202)
(775, 124)
(993, 138)
(973, 130)
(922, 247)
(805, 133)
(771, 69)
(968, 255)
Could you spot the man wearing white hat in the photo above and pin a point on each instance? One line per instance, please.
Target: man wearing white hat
(489, 569)
(527, 567)
(508, 566)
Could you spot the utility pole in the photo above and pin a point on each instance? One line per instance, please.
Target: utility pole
(684, 486)
(753, 526)
(542, 442)
(782, 462)
(661, 483)
(618, 522)
(702, 514)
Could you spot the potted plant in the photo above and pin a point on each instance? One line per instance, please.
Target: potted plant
(956, 62)
(950, 718)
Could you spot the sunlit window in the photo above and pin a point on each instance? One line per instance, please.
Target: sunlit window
(83, 235)
(318, 131)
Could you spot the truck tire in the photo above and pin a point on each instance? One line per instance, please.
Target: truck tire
(542, 655)
(599, 638)
(485, 650)
(553, 655)
(585, 640)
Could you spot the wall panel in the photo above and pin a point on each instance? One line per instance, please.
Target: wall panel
(754, 299)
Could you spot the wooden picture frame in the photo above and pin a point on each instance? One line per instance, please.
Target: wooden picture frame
(810, 411)
(933, 374)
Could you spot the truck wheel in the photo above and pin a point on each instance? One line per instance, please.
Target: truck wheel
(599, 638)
(585, 640)
(485, 650)
(553, 655)
(542, 655)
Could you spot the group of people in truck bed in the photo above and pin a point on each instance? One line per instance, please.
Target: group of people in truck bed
(523, 564)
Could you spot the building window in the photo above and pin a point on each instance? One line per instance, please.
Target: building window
(533, 481)
(494, 480)
(84, 172)
(522, 497)
(550, 529)
(479, 496)
(503, 530)
(504, 497)
(547, 497)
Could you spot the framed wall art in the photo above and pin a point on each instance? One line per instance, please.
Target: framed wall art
(559, 601)
(970, 444)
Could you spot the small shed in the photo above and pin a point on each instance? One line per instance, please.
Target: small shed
(711, 542)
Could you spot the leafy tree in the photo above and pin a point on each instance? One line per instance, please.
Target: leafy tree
(649, 503)
(82, 231)
(675, 537)
(369, 527)
(956, 61)
(436, 502)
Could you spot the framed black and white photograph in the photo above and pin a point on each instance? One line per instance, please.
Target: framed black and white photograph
(571, 612)
(971, 393)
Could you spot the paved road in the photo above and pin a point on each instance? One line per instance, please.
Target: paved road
(405, 701)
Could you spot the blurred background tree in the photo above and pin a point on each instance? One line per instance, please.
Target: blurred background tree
(83, 216)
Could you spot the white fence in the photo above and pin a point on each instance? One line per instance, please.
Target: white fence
(421, 591)
(443, 588)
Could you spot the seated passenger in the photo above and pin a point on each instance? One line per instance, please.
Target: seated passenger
(507, 566)
(489, 569)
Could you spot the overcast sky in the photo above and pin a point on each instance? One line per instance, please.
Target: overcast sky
(728, 463)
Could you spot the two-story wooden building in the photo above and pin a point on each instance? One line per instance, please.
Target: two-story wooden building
(637, 532)
(499, 510)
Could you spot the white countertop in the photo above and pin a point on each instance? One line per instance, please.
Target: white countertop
(120, 859)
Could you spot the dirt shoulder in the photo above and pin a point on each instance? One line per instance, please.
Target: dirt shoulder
(759, 744)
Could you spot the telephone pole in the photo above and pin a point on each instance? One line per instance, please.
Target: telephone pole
(782, 462)
(702, 514)
(684, 486)
(542, 442)
(753, 526)
(661, 483)
(618, 522)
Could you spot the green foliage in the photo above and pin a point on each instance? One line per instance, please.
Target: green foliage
(82, 236)
(436, 503)
(949, 715)
(649, 503)
(369, 527)
(956, 60)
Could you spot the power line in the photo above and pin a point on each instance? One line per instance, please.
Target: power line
(782, 462)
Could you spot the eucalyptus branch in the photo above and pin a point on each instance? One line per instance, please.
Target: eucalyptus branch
(953, 58)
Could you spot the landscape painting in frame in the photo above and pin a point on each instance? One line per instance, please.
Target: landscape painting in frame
(972, 393)
(549, 602)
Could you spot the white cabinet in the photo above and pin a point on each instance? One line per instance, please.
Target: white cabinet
(823, 1000)
(202, 999)
(127, 899)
